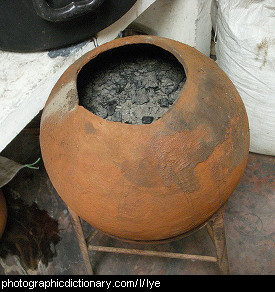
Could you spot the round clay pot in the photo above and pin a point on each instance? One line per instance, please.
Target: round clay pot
(3, 213)
(148, 182)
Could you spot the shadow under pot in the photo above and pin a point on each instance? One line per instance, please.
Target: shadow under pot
(145, 138)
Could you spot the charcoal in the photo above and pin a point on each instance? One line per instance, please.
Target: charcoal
(164, 102)
(135, 89)
(147, 119)
(117, 117)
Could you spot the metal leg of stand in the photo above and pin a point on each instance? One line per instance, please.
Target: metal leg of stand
(215, 228)
(81, 240)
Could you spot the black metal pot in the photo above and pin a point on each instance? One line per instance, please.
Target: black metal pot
(36, 25)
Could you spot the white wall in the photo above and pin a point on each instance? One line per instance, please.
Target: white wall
(187, 21)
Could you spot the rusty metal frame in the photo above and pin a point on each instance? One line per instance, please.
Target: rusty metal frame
(214, 226)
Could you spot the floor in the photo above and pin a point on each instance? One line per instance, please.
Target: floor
(40, 239)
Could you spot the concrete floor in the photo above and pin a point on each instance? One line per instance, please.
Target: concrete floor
(249, 223)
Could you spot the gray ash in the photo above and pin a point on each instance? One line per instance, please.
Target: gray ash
(134, 84)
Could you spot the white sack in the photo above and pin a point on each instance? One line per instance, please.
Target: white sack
(245, 50)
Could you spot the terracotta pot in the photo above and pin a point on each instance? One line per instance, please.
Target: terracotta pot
(3, 213)
(148, 182)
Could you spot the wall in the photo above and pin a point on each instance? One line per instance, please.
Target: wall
(187, 21)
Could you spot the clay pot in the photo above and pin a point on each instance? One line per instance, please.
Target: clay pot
(3, 213)
(148, 182)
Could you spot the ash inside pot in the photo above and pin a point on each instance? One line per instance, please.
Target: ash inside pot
(134, 84)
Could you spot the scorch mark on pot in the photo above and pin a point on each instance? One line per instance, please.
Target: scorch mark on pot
(62, 102)
(89, 128)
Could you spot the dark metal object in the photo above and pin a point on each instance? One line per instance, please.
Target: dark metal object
(70, 11)
(215, 228)
(23, 30)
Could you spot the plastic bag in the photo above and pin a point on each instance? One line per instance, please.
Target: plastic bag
(245, 50)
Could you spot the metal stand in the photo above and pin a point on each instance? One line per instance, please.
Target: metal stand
(215, 228)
